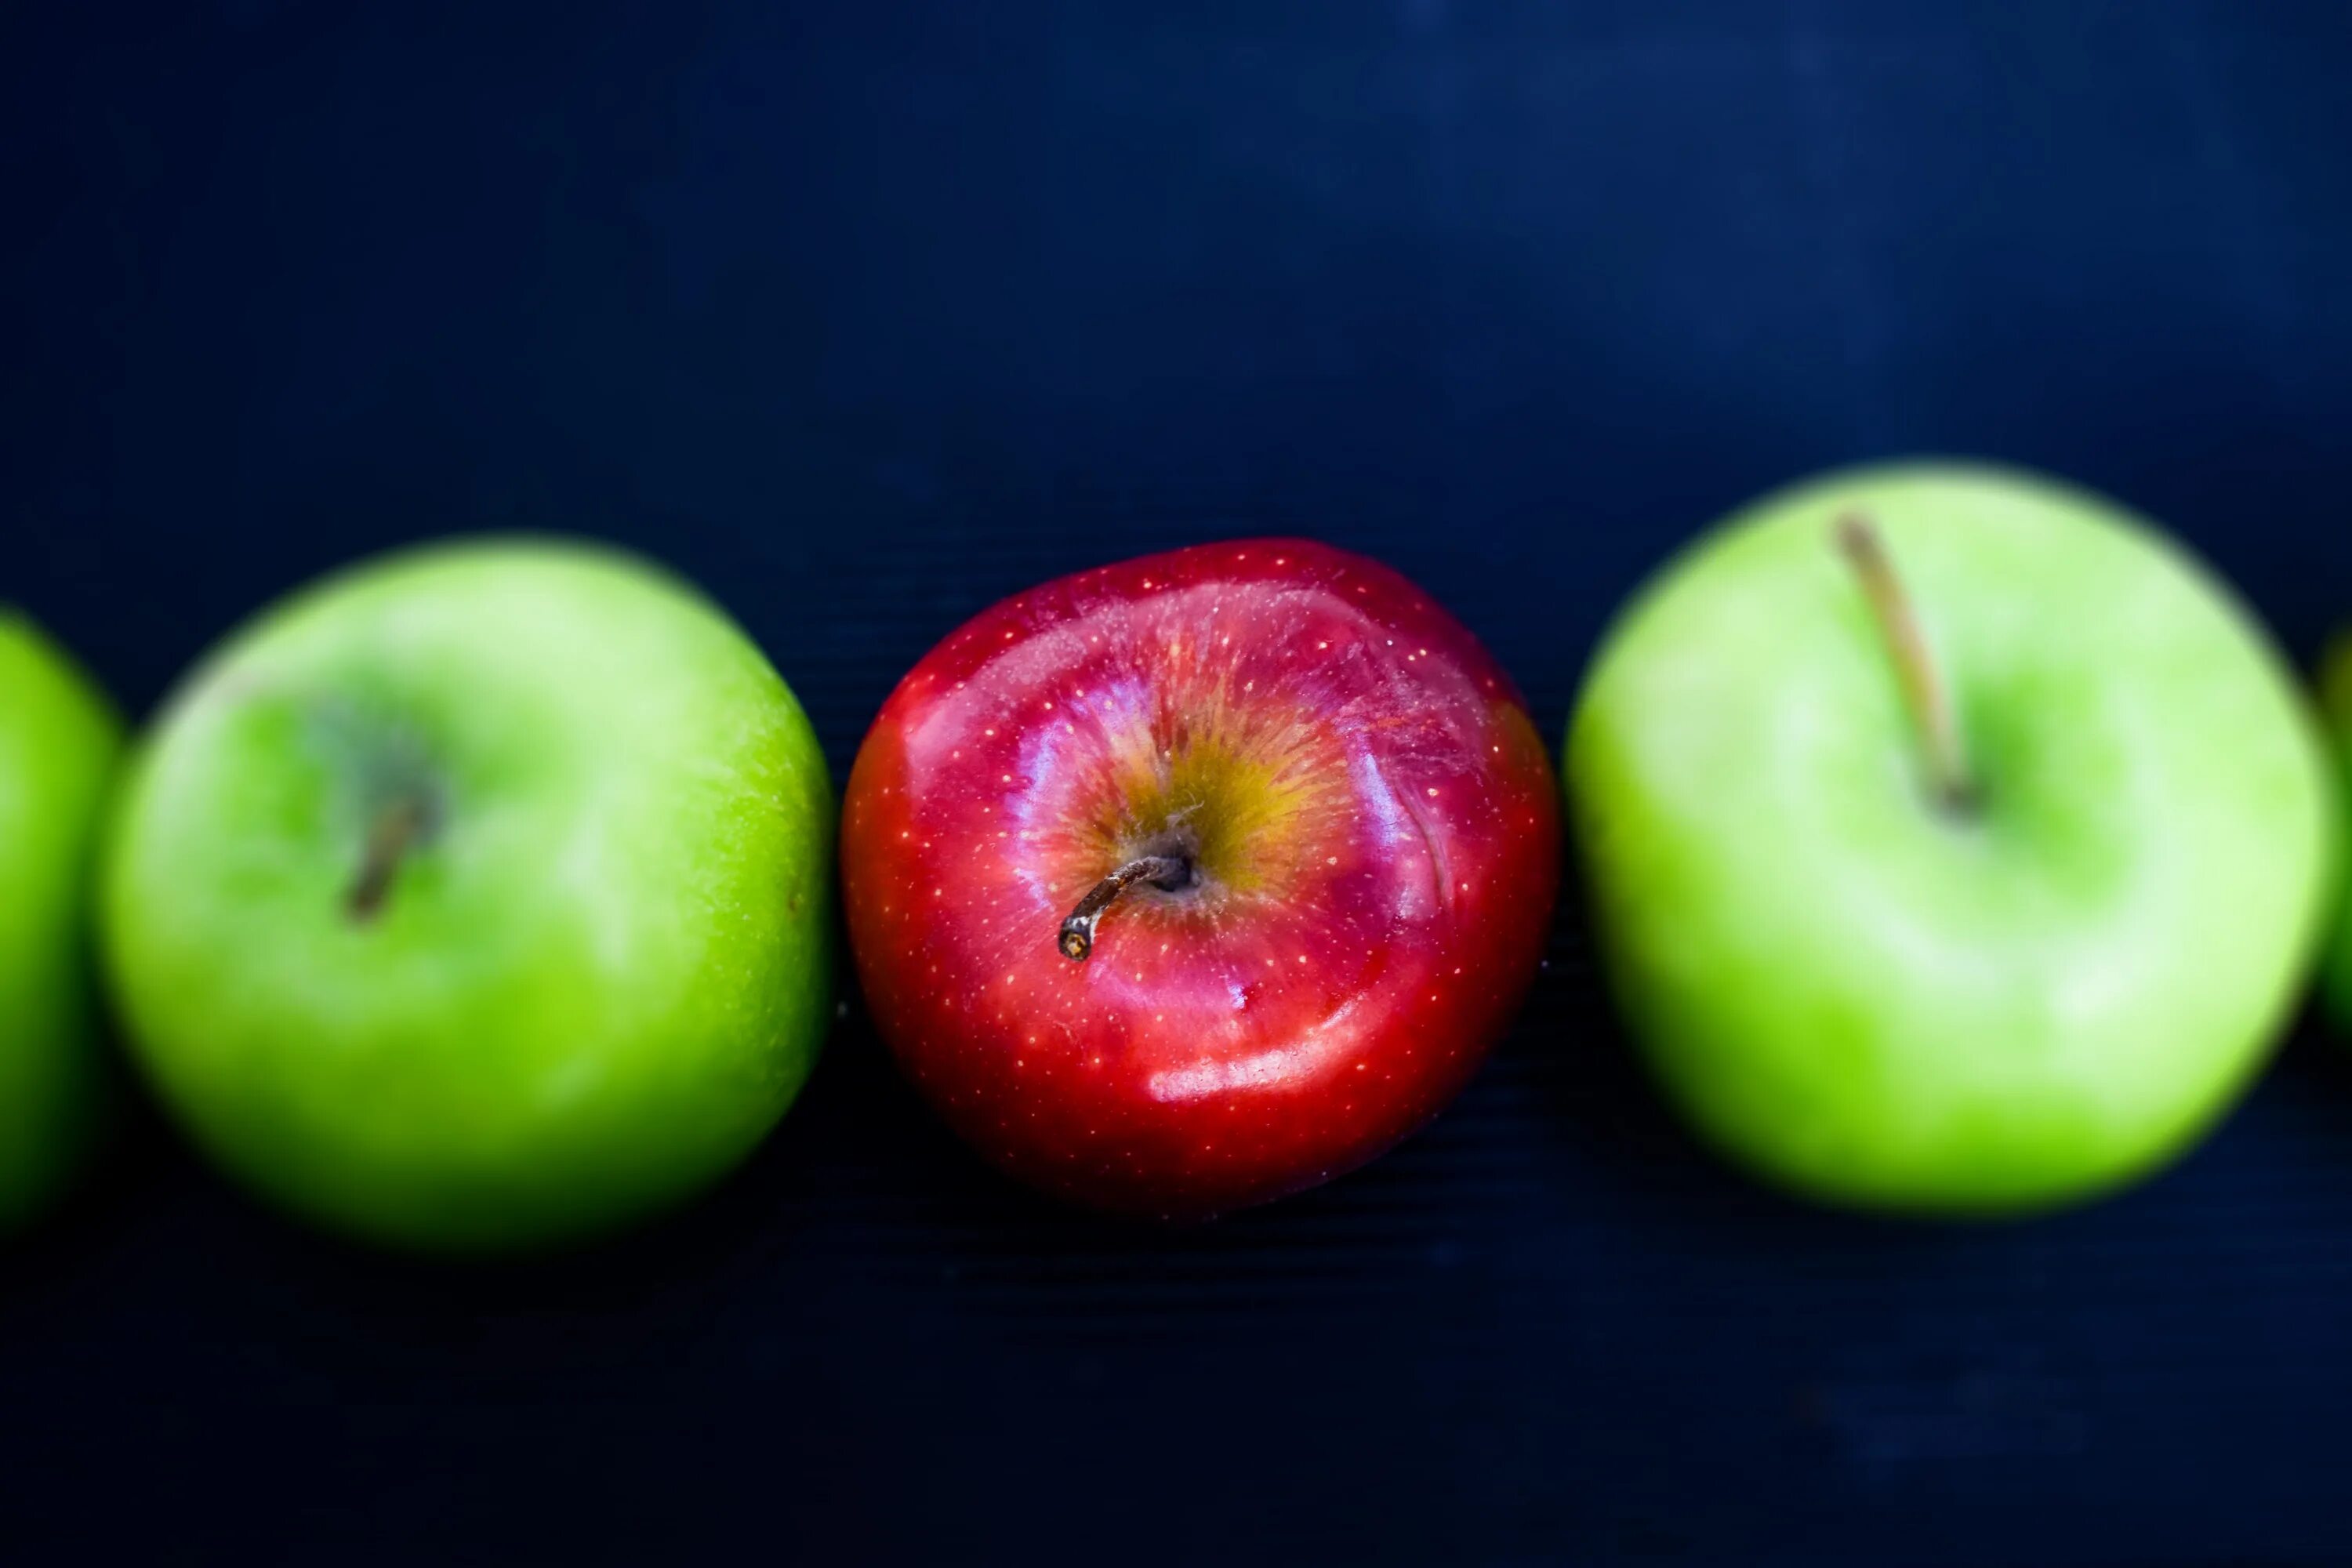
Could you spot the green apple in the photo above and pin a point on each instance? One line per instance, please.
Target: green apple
(478, 898)
(2335, 694)
(60, 739)
(1956, 844)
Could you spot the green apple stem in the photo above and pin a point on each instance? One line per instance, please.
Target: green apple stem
(1924, 692)
(396, 830)
(1167, 872)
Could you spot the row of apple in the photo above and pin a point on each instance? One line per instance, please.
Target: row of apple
(1955, 843)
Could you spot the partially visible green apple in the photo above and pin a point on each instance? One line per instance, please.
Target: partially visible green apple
(478, 898)
(60, 739)
(1957, 844)
(2335, 695)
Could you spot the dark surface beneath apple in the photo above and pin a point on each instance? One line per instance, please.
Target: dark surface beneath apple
(866, 315)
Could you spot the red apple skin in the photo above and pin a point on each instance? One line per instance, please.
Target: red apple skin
(1372, 820)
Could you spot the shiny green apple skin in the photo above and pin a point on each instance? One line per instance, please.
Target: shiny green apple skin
(59, 743)
(595, 980)
(1880, 1002)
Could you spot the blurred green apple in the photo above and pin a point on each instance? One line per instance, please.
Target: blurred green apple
(478, 898)
(1956, 843)
(2335, 694)
(60, 739)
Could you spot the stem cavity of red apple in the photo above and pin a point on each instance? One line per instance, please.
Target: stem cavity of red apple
(1167, 872)
(1924, 692)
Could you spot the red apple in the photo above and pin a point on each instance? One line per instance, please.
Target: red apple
(1185, 883)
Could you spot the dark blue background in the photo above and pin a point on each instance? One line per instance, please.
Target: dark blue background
(866, 315)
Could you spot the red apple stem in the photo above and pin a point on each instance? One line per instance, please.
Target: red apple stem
(396, 829)
(1165, 871)
(1924, 692)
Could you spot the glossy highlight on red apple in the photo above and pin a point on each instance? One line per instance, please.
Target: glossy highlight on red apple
(1320, 836)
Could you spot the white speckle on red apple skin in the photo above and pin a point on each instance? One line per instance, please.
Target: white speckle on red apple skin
(1374, 827)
